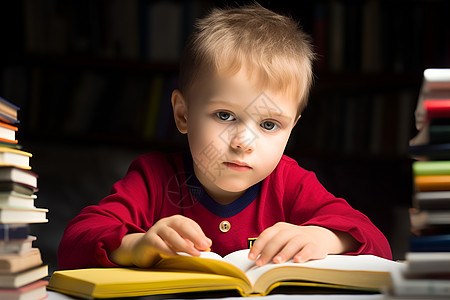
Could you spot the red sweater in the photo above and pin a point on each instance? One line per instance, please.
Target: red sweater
(159, 185)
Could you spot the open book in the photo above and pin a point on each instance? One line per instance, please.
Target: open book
(210, 272)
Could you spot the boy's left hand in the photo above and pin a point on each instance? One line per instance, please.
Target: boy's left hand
(283, 241)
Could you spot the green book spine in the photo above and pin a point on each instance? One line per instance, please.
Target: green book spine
(441, 167)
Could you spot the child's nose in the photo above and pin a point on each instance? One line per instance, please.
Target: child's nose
(243, 140)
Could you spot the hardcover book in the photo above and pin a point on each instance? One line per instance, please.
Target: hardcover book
(424, 218)
(17, 246)
(15, 199)
(18, 215)
(422, 263)
(430, 243)
(433, 200)
(13, 263)
(437, 108)
(15, 158)
(426, 183)
(8, 133)
(234, 272)
(17, 175)
(16, 280)
(34, 290)
(432, 167)
(8, 110)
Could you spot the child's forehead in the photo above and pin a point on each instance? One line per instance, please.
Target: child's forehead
(244, 79)
(240, 89)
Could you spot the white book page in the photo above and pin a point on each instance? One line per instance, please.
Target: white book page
(208, 262)
(238, 259)
(337, 262)
(211, 255)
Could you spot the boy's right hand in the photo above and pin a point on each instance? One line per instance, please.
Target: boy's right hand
(166, 237)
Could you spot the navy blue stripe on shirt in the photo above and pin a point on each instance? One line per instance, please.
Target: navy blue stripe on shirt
(220, 210)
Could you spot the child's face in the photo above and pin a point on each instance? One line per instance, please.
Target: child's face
(237, 133)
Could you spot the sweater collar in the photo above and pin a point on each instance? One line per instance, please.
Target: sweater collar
(200, 194)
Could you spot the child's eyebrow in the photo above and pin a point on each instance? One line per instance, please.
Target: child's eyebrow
(268, 112)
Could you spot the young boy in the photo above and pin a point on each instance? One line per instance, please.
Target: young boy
(244, 81)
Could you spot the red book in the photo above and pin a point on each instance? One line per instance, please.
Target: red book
(437, 108)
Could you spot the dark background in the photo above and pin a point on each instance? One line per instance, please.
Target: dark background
(93, 79)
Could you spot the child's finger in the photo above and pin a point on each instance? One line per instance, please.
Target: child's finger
(261, 243)
(305, 254)
(177, 243)
(280, 248)
(142, 257)
(291, 248)
(162, 246)
(267, 254)
(309, 252)
(191, 231)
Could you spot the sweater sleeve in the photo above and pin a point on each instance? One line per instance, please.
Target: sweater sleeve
(99, 229)
(314, 205)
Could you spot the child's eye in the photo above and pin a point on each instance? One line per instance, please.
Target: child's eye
(225, 116)
(269, 126)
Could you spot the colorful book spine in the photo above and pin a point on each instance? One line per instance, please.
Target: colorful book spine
(432, 183)
(437, 108)
(434, 151)
(427, 274)
(432, 200)
(21, 265)
(434, 167)
(432, 243)
(13, 232)
(8, 112)
(439, 133)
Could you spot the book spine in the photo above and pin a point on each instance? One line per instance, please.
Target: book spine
(428, 262)
(11, 231)
(439, 133)
(423, 287)
(431, 168)
(437, 108)
(432, 183)
(431, 243)
(11, 105)
(433, 200)
(7, 119)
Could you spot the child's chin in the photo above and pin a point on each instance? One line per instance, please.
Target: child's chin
(234, 186)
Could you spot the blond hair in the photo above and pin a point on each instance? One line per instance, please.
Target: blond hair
(269, 45)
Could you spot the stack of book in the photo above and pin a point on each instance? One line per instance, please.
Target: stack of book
(21, 265)
(428, 259)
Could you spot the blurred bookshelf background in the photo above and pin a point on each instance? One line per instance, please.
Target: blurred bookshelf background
(93, 79)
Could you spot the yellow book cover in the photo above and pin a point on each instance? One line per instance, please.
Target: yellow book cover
(234, 272)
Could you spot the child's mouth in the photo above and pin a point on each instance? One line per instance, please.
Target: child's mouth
(237, 166)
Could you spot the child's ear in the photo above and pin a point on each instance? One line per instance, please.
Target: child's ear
(179, 111)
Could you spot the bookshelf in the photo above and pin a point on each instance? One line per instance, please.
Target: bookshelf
(371, 55)
(85, 74)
